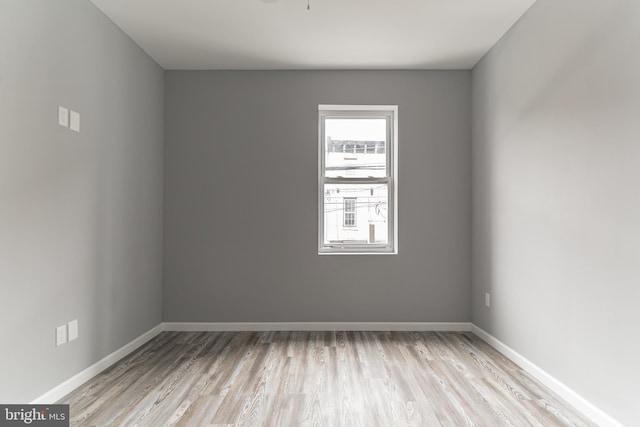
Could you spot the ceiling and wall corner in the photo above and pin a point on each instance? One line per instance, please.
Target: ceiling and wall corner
(333, 34)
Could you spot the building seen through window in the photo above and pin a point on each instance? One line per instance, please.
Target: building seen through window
(355, 213)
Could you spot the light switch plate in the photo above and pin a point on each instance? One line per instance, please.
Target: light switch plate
(73, 330)
(61, 335)
(74, 123)
(63, 116)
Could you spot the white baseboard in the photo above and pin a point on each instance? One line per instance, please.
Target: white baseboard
(77, 380)
(580, 403)
(318, 326)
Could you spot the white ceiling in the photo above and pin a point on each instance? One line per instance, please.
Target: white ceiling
(333, 34)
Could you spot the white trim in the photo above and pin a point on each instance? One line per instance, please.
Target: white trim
(359, 107)
(580, 403)
(77, 380)
(318, 326)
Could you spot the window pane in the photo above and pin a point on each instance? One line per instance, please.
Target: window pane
(355, 148)
(355, 214)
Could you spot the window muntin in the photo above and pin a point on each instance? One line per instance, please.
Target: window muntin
(357, 179)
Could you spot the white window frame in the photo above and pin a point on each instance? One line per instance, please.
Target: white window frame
(390, 113)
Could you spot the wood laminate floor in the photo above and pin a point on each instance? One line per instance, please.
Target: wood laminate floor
(317, 379)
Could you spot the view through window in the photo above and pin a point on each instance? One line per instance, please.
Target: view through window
(357, 179)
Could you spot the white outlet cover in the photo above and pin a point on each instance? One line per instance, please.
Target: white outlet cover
(74, 123)
(61, 335)
(73, 330)
(487, 299)
(63, 116)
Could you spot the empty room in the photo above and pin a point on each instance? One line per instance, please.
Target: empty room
(319, 212)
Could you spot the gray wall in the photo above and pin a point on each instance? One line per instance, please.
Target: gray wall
(241, 199)
(556, 167)
(80, 213)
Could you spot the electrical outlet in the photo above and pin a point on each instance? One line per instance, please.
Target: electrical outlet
(74, 121)
(73, 330)
(61, 335)
(487, 299)
(63, 116)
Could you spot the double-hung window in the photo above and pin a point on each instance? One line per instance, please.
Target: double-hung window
(357, 185)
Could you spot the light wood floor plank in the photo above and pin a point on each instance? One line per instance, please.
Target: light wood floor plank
(434, 379)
